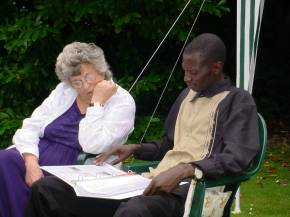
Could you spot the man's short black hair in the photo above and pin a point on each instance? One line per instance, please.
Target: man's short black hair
(209, 45)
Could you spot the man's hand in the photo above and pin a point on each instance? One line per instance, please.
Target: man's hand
(103, 91)
(122, 152)
(169, 179)
(33, 171)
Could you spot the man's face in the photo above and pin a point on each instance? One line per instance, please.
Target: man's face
(198, 73)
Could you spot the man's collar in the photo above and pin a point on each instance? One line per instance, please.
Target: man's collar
(214, 89)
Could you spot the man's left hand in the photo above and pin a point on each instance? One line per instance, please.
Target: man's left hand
(169, 179)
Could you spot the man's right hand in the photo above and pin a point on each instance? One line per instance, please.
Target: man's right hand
(122, 152)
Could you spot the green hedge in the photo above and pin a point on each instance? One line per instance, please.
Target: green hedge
(32, 33)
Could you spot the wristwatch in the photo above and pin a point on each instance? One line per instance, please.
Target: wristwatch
(96, 104)
(198, 173)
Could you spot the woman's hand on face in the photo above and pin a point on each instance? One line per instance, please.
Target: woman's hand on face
(103, 91)
(122, 152)
(33, 171)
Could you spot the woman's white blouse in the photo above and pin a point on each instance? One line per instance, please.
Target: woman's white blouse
(100, 129)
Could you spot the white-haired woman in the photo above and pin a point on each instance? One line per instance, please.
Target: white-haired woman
(86, 111)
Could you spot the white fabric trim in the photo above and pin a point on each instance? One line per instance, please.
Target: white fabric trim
(99, 129)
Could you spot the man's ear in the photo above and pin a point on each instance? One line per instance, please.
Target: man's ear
(217, 67)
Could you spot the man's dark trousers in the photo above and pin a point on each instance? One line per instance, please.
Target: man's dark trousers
(51, 197)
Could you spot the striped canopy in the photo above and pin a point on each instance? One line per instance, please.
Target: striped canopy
(249, 17)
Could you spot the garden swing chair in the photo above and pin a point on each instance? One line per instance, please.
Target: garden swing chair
(249, 16)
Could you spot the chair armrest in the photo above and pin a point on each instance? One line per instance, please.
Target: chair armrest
(139, 167)
(228, 180)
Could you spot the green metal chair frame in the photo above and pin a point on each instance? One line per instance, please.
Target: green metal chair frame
(231, 181)
(82, 157)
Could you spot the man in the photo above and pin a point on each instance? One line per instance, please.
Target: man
(210, 131)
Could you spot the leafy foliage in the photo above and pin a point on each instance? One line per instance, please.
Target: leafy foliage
(32, 33)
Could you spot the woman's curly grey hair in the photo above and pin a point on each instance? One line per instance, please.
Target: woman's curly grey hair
(74, 54)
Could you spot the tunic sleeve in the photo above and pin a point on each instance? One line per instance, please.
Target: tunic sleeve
(27, 137)
(105, 127)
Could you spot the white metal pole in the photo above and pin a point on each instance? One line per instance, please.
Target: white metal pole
(237, 209)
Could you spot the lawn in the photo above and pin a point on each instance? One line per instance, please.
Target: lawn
(268, 193)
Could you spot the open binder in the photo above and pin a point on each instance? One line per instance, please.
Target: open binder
(104, 181)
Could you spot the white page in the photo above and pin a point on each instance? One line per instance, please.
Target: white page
(100, 181)
(114, 185)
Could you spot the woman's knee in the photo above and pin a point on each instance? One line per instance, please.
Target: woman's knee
(9, 154)
(10, 158)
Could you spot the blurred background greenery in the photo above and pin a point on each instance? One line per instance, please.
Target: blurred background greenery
(33, 32)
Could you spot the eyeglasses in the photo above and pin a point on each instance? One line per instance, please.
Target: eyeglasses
(89, 78)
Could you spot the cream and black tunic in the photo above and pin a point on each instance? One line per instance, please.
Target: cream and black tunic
(216, 130)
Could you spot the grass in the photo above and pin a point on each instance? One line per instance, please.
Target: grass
(268, 193)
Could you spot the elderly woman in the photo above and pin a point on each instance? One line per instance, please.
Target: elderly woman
(86, 111)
